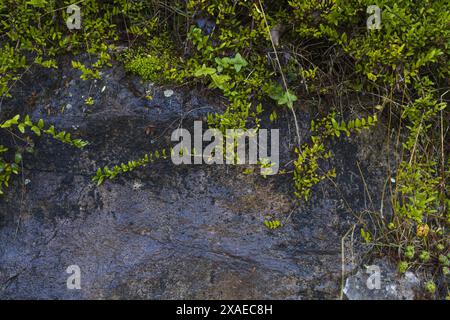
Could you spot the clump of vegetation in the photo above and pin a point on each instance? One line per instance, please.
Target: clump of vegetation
(157, 62)
(106, 173)
(14, 165)
(307, 171)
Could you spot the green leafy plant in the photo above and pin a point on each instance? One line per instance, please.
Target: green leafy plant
(402, 266)
(366, 235)
(89, 101)
(272, 224)
(281, 96)
(307, 171)
(8, 168)
(106, 173)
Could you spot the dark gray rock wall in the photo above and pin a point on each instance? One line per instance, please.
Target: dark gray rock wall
(166, 231)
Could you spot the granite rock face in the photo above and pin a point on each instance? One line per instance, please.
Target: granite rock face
(388, 286)
(166, 231)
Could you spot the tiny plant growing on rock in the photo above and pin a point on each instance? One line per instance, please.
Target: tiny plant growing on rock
(8, 167)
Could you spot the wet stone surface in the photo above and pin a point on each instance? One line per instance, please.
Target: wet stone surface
(165, 231)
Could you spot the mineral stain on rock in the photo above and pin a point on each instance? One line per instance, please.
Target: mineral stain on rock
(188, 232)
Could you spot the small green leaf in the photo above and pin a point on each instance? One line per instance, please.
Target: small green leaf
(204, 71)
(335, 124)
(36, 130)
(288, 98)
(21, 127)
(18, 157)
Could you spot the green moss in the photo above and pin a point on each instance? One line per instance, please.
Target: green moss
(157, 61)
(155, 68)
